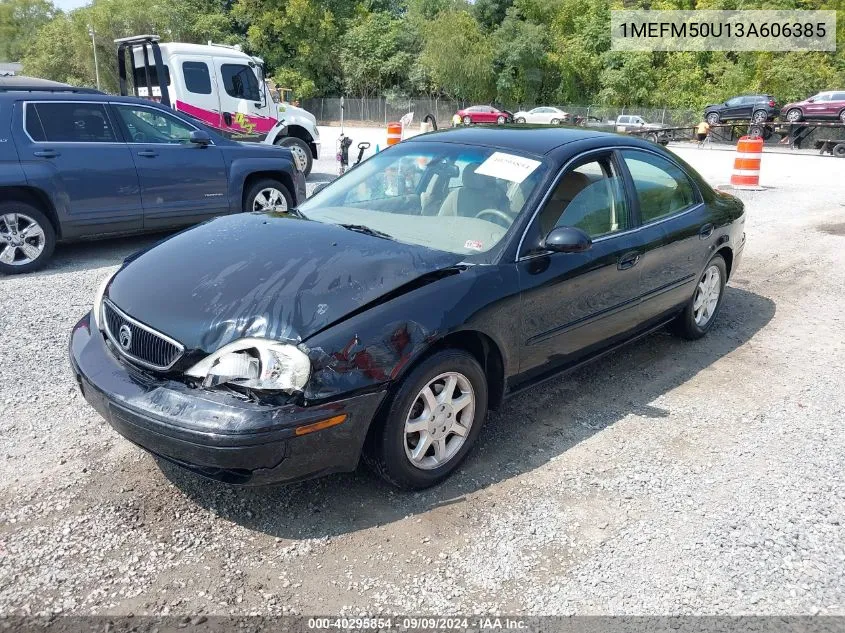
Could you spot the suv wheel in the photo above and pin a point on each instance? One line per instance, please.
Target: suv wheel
(759, 116)
(794, 115)
(268, 195)
(713, 118)
(300, 150)
(430, 422)
(842, 116)
(27, 238)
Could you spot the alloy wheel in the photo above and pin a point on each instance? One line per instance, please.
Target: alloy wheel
(439, 420)
(707, 296)
(793, 116)
(759, 116)
(22, 239)
(269, 199)
(713, 118)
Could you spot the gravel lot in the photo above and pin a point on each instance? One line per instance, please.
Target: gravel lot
(669, 478)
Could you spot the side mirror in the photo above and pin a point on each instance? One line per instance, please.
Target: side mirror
(811, 100)
(567, 239)
(200, 137)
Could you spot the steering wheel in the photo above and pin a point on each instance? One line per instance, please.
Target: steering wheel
(499, 217)
(139, 137)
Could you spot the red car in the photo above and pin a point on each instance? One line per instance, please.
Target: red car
(484, 114)
(825, 105)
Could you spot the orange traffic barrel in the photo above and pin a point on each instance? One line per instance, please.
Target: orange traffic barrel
(746, 173)
(394, 133)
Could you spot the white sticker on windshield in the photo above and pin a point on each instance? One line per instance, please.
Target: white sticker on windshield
(507, 167)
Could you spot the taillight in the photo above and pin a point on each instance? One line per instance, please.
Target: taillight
(772, 102)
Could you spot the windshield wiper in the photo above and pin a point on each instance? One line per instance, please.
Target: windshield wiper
(360, 228)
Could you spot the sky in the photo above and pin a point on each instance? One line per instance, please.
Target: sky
(67, 5)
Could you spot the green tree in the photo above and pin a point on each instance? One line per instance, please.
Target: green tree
(458, 57)
(20, 20)
(298, 39)
(373, 55)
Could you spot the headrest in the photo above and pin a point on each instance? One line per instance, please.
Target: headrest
(471, 180)
(571, 185)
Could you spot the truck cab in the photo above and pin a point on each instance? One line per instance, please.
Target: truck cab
(221, 86)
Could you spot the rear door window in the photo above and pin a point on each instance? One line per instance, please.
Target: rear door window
(62, 122)
(197, 77)
(663, 189)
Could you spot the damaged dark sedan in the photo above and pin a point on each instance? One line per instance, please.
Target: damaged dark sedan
(389, 312)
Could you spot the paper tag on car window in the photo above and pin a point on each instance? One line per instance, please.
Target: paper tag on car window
(507, 167)
(474, 245)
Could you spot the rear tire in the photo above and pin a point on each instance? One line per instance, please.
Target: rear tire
(300, 150)
(27, 238)
(500, 120)
(390, 446)
(842, 116)
(701, 310)
(759, 116)
(713, 118)
(265, 194)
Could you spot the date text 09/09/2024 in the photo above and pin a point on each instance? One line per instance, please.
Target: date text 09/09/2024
(411, 623)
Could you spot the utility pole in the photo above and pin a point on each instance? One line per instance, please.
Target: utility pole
(94, 46)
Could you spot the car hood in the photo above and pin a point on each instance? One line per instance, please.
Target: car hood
(263, 275)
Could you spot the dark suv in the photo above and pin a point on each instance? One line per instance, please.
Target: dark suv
(754, 108)
(77, 164)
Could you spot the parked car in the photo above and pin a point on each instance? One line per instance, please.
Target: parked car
(392, 309)
(76, 165)
(633, 123)
(828, 105)
(547, 114)
(484, 114)
(219, 85)
(755, 108)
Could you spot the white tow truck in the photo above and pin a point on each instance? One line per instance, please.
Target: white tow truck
(219, 85)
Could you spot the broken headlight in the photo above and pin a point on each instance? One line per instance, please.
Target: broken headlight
(255, 363)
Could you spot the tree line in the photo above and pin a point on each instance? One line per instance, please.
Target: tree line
(507, 51)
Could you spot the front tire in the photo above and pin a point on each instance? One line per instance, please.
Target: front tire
(700, 312)
(268, 194)
(300, 150)
(520, 120)
(27, 238)
(467, 120)
(794, 115)
(430, 423)
(555, 121)
(842, 116)
(839, 150)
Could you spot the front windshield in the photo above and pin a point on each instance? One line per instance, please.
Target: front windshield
(456, 198)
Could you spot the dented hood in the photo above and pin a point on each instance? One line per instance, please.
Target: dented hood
(270, 276)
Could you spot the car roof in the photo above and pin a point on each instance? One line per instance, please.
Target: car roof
(21, 83)
(81, 94)
(539, 139)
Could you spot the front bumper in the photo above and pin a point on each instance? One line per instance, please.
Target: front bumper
(213, 433)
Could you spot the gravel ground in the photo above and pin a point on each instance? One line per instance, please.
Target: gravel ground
(668, 478)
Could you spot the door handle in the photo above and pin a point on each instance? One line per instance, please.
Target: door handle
(705, 231)
(148, 153)
(46, 153)
(628, 260)
(227, 118)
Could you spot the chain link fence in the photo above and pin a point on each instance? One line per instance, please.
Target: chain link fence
(382, 110)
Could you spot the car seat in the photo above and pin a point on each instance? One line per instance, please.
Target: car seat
(478, 192)
(565, 192)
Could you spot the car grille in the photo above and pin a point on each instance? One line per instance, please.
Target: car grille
(139, 343)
